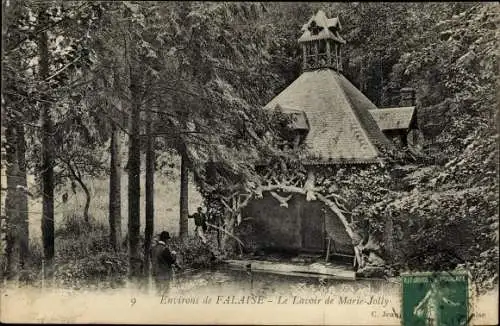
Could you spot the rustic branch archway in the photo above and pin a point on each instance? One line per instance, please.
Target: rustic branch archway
(279, 177)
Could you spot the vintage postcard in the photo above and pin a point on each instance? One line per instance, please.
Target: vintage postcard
(249, 163)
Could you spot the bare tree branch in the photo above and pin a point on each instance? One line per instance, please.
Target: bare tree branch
(62, 69)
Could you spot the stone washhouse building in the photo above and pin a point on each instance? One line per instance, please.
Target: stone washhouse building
(339, 126)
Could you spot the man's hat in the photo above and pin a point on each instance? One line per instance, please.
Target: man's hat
(164, 235)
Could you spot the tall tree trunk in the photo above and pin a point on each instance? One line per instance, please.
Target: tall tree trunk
(211, 180)
(87, 201)
(134, 181)
(47, 154)
(12, 203)
(87, 204)
(23, 196)
(115, 218)
(16, 201)
(78, 177)
(150, 174)
(388, 237)
(229, 219)
(184, 199)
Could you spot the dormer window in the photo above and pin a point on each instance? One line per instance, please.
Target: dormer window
(298, 121)
(296, 129)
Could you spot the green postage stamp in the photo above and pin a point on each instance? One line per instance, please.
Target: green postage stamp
(435, 299)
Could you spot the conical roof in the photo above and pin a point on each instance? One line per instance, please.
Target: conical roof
(342, 130)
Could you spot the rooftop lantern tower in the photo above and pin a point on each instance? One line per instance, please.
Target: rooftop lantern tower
(321, 43)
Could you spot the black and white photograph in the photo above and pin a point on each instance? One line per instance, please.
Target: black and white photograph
(312, 163)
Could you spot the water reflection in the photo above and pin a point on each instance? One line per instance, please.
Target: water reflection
(242, 282)
(206, 294)
(228, 281)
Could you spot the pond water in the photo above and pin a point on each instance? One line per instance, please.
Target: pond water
(219, 295)
(227, 281)
(203, 296)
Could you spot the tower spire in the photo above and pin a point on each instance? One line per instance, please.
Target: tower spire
(321, 43)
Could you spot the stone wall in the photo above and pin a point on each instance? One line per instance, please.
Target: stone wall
(299, 227)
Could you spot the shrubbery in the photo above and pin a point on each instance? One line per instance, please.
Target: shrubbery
(83, 254)
(192, 253)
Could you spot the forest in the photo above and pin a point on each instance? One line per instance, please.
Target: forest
(137, 97)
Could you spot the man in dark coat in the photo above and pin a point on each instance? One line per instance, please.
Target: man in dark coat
(163, 260)
(200, 222)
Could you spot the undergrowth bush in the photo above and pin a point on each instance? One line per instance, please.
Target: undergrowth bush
(192, 253)
(74, 226)
(32, 273)
(84, 254)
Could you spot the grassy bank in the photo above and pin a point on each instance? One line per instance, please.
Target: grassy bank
(82, 251)
(85, 259)
(166, 205)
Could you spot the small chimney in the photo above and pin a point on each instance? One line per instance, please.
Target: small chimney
(407, 97)
(394, 95)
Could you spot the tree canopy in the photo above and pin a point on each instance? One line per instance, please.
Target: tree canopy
(194, 76)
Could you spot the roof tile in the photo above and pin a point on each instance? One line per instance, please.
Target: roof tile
(341, 127)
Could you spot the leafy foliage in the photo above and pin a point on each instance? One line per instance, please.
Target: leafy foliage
(451, 204)
(454, 207)
(192, 253)
(205, 69)
(84, 254)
